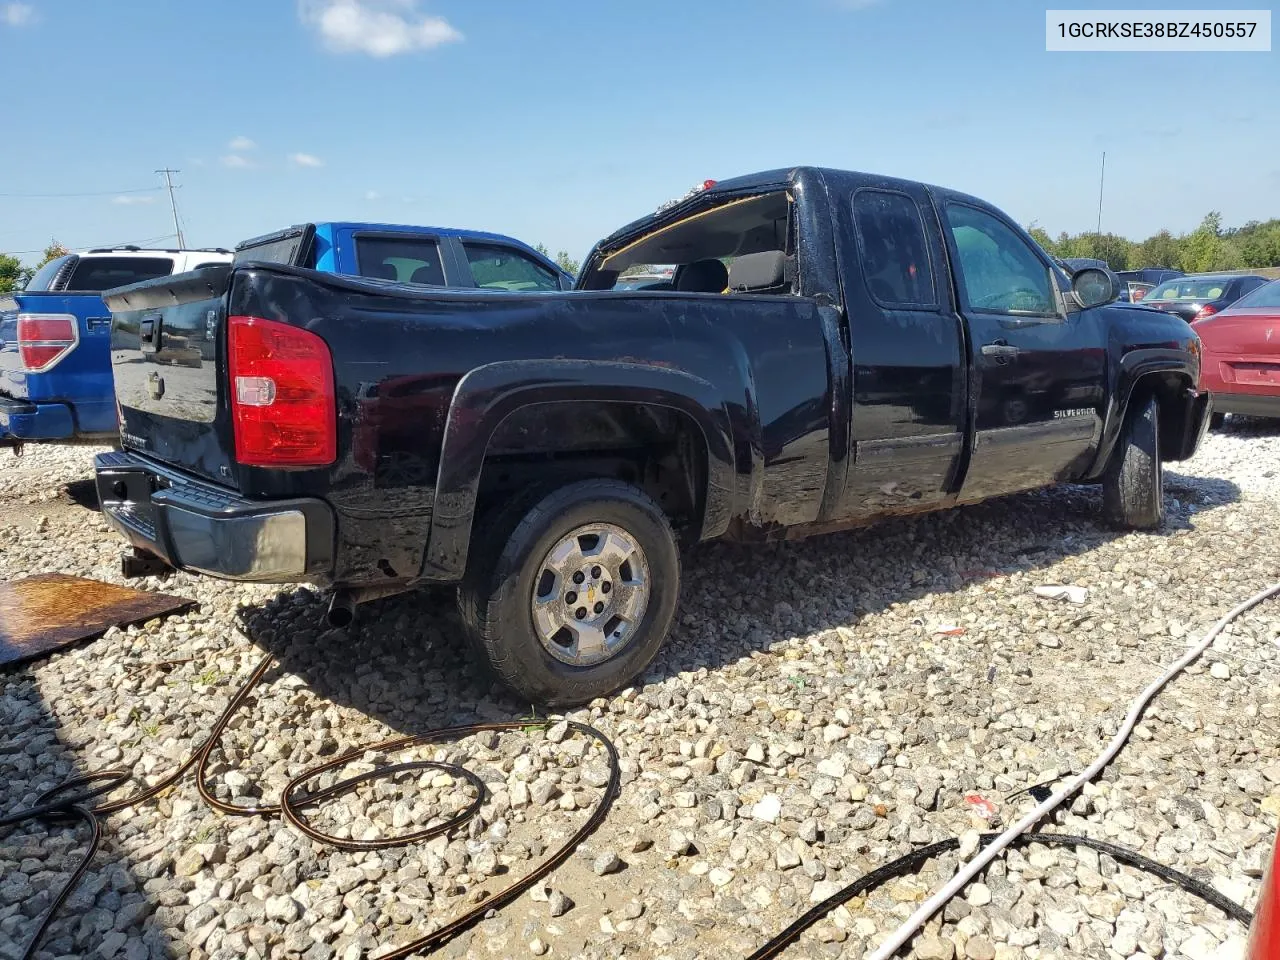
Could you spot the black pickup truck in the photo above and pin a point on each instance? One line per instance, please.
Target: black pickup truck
(837, 347)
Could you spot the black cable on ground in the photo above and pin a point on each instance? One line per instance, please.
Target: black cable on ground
(916, 859)
(71, 800)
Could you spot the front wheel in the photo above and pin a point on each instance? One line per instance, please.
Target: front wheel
(572, 599)
(1133, 484)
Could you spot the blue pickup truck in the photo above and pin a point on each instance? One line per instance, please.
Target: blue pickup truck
(405, 254)
(55, 364)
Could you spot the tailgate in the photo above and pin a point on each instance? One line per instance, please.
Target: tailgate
(82, 374)
(166, 343)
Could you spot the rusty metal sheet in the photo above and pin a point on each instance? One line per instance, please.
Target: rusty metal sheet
(49, 611)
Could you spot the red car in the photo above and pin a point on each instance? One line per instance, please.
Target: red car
(1264, 936)
(1241, 363)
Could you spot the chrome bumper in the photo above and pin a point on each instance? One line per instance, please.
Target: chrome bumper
(193, 525)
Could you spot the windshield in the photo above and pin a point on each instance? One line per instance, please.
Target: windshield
(1190, 290)
(1267, 295)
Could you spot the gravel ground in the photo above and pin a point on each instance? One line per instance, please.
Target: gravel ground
(823, 707)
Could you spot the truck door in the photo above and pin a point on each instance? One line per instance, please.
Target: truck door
(907, 346)
(1039, 371)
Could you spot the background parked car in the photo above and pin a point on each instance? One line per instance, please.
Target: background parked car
(1199, 295)
(55, 364)
(1136, 284)
(1241, 366)
(1264, 934)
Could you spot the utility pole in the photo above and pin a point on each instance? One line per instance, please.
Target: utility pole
(168, 180)
(1101, 179)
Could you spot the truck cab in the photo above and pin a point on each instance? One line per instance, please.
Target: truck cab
(833, 347)
(55, 370)
(399, 253)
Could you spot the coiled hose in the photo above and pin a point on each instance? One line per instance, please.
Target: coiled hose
(72, 800)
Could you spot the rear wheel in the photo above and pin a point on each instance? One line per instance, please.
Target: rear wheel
(1133, 484)
(571, 599)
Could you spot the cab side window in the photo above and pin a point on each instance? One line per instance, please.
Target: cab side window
(1000, 273)
(891, 243)
(496, 267)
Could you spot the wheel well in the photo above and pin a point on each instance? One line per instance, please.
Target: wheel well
(1170, 392)
(659, 449)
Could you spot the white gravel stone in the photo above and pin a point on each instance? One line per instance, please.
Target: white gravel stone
(804, 725)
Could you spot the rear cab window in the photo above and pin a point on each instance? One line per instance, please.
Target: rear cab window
(892, 246)
(95, 274)
(403, 259)
(294, 247)
(496, 267)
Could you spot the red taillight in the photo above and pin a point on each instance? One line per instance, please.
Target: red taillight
(45, 338)
(1205, 311)
(1137, 295)
(283, 404)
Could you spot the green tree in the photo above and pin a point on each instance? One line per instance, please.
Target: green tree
(1202, 249)
(12, 276)
(542, 249)
(1159, 250)
(567, 263)
(52, 252)
(1041, 236)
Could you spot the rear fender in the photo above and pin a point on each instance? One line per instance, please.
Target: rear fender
(488, 395)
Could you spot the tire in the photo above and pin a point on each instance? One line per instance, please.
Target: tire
(1216, 420)
(509, 560)
(1133, 484)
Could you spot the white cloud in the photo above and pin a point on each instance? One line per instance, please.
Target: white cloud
(380, 28)
(18, 14)
(236, 162)
(128, 200)
(305, 160)
(241, 144)
(372, 195)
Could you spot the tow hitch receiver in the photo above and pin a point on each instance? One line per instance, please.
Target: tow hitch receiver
(139, 563)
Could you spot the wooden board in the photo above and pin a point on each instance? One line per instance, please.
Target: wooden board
(49, 611)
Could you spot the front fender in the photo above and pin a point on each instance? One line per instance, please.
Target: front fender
(486, 396)
(1136, 370)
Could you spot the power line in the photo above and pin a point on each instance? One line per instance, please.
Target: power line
(168, 180)
(60, 196)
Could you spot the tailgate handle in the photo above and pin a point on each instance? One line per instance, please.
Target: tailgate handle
(149, 330)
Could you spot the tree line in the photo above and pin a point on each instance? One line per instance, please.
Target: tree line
(1208, 247)
(14, 276)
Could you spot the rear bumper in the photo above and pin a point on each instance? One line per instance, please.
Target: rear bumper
(193, 525)
(1246, 404)
(23, 420)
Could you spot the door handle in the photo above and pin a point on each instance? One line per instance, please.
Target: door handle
(1000, 350)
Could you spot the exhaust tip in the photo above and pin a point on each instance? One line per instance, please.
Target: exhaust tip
(342, 609)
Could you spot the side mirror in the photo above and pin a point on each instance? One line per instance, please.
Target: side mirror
(1093, 287)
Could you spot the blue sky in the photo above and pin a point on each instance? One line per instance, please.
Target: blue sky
(559, 121)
